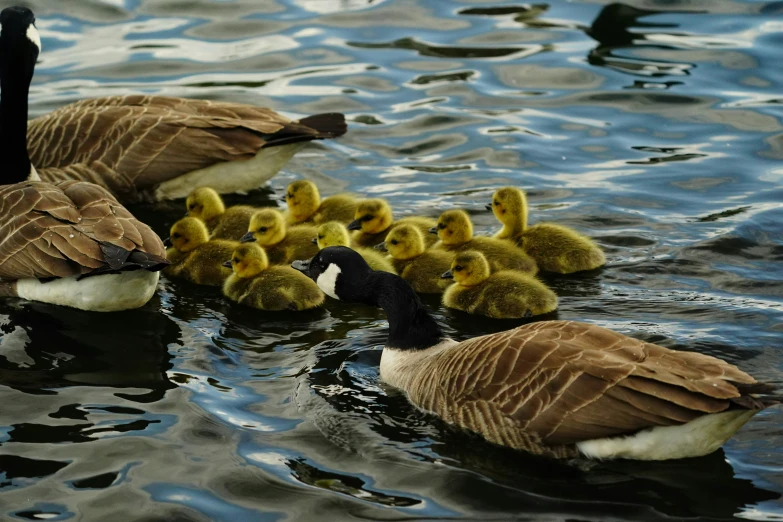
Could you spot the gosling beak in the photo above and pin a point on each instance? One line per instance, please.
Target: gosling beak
(283, 199)
(434, 230)
(315, 241)
(247, 238)
(354, 225)
(381, 247)
(302, 265)
(489, 206)
(447, 275)
(227, 264)
(167, 242)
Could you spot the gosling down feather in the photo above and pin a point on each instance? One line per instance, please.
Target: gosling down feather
(557, 388)
(306, 206)
(195, 257)
(68, 243)
(282, 244)
(156, 147)
(231, 223)
(554, 247)
(423, 269)
(335, 234)
(373, 220)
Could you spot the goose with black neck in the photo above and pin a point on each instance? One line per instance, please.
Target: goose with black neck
(69, 243)
(562, 389)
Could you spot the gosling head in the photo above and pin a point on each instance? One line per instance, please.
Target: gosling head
(188, 233)
(303, 200)
(332, 234)
(341, 273)
(205, 203)
(248, 260)
(509, 205)
(267, 228)
(404, 242)
(373, 216)
(454, 228)
(468, 268)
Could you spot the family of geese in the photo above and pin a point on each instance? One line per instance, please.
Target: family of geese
(562, 389)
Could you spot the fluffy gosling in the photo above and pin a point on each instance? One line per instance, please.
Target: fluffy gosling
(502, 295)
(194, 257)
(281, 243)
(420, 267)
(374, 220)
(205, 203)
(273, 288)
(306, 206)
(335, 234)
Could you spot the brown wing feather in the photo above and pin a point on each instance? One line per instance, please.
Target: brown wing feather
(544, 386)
(70, 228)
(128, 143)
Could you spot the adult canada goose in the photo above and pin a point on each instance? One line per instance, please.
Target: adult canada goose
(143, 147)
(420, 267)
(335, 234)
(556, 388)
(68, 243)
(374, 219)
(194, 257)
(455, 231)
(508, 294)
(282, 244)
(306, 206)
(274, 288)
(554, 247)
(205, 203)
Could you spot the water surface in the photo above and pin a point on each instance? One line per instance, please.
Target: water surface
(654, 126)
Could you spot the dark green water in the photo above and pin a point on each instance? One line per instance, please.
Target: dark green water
(660, 135)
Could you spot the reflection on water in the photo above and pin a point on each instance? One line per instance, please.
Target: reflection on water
(652, 126)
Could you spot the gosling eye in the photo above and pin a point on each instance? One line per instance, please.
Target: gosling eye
(394, 242)
(235, 260)
(175, 235)
(496, 203)
(457, 268)
(441, 226)
(191, 206)
(262, 230)
(290, 195)
(320, 236)
(368, 217)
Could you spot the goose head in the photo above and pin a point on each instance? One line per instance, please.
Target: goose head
(468, 269)
(188, 233)
(373, 216)
(332, 234)
(205, 203)
(303, 199)
(404, 242)
(248, 260)
(454, 228)
(267, 228)
(341, 273)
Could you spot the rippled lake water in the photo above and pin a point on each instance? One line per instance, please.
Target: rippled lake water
(654, 126)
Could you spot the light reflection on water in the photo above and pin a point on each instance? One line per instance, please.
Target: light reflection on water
(653, 126)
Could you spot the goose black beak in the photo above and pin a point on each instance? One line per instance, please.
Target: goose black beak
(302, 265)
(447, 275)
(167, 242)
(247, 238)
(315, 241)
(381, 247)
(354, 225)
(488, 206)
(434, 230)
(227, 264)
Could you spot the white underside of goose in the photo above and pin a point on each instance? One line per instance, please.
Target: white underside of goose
(103, 293)
(231, 176)
(33, 175)
(697, 438)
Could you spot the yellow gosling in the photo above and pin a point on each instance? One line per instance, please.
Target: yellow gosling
(282, 244)
(502, 295)
(306, 206)
(455, 231)
(194, 257)
(554, 247)
(205, 203)
(274, 288)
(374, 219)
(335, 234)
(420, 267)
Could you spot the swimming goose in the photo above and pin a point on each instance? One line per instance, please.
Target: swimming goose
(374, 219)
(205, 203)
(68, 243)
(335, 234)
(306, 206)
(195, 257)
(144, 147)
(420, 267)
(557, 388)
(508, 294)
(455, 231)
(273, 288)
(554, 247)
(282, 244)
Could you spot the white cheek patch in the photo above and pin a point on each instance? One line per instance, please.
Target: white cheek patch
(33, 36)
(327, 281)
